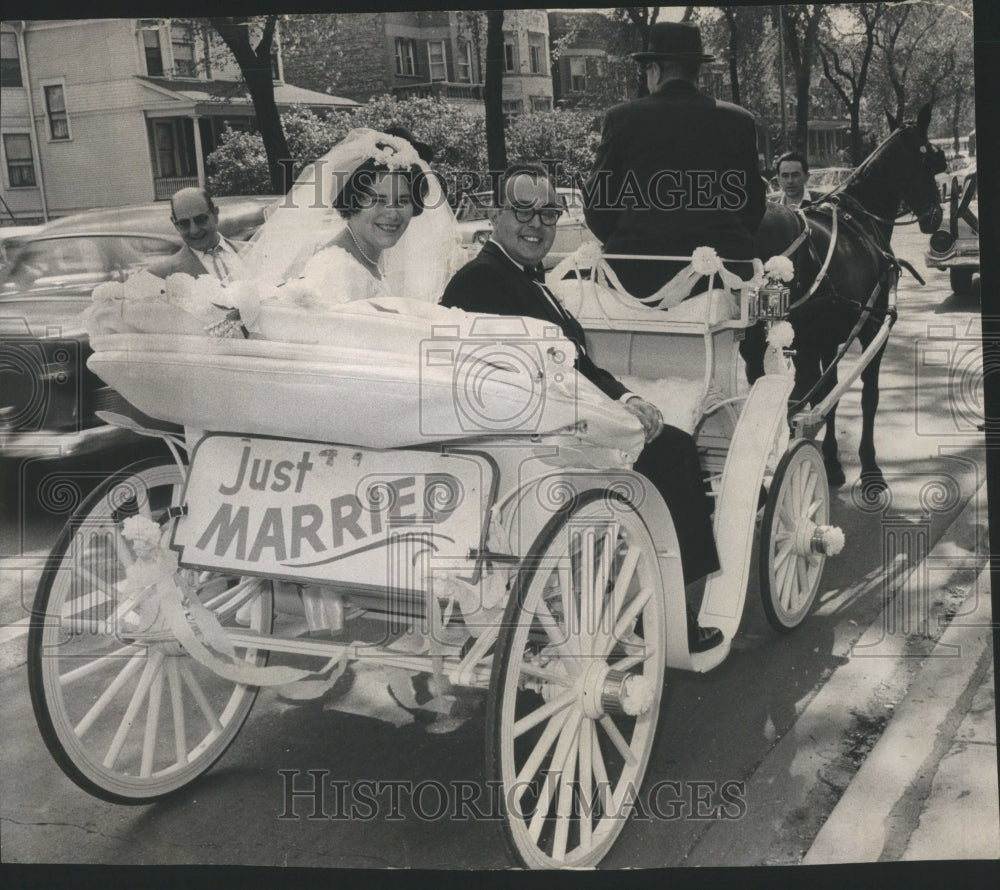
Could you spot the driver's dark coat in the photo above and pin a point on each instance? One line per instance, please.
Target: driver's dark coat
(679, 129)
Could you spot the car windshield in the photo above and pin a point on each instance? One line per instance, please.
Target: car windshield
(82, 259)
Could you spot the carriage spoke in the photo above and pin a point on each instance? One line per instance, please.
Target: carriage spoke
(530, 670)
(586, 755)
(564, 806)
(803, 577)
(95, 666)
(200, 698)
(783, 554)
(556, 767)
(534, 761)
(153, 664)
(619, 740)
(544, 712)
(630, 614)
(561, 642)
(600, 770)
(626, 664)
(177, 706)
(133, 664)
(810, 490)
(152, 724)
(605, 635)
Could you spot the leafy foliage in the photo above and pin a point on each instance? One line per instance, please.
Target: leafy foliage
(457, 135)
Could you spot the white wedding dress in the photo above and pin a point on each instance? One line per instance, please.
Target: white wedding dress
(337, 277)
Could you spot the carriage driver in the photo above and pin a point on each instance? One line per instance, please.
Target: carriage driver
(507, 278)
(675, 170)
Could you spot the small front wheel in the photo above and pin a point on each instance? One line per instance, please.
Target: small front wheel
(790, 565)
(576, 684)
(127, 714)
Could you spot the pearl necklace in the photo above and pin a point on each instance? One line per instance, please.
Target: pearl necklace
(361, 250)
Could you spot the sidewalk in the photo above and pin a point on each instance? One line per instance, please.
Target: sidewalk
(928, 789)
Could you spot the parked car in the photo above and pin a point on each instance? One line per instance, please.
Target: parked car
(48, 397)
(956, 248)
(571, 230)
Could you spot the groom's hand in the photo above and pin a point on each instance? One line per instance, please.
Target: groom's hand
(649, 416)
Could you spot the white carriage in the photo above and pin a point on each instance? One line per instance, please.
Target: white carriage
(362, 488)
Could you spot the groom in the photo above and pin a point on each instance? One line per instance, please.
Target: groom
(507, 279)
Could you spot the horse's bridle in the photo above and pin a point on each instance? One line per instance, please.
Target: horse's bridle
(858, 173)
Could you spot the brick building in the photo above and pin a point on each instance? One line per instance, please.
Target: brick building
(427, 54)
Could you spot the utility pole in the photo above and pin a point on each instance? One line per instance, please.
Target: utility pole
(781, 81)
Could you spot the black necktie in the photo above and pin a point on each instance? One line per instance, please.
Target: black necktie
(535, 273)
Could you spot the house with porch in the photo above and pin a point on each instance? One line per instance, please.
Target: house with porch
(111, 112)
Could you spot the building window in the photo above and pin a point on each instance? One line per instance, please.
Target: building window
(512, 106)
(55, 108)
(20, 164)
(510, 54)
(577, 75)
(182, 41)
(10, 61)
(436, 60)
(541, 103)
(465, 62)
(406, 56)
(153, 52)
(536, 53)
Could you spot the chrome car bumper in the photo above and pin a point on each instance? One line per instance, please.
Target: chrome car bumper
(52, 444)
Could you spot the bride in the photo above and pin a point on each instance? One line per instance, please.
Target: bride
(368, 219)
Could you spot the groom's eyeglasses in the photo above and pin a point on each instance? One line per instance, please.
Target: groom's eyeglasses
(549, 216)
(200, 220)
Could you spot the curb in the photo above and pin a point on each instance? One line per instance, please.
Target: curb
(788, 789)
(875, 818)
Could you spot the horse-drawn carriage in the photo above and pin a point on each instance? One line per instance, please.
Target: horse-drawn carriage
(439, 494)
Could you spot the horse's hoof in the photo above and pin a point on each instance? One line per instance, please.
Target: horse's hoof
(835, 475)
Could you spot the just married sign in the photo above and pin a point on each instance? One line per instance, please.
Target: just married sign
(309, 511)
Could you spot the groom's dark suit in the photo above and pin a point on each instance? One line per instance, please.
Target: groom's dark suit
(493, 283)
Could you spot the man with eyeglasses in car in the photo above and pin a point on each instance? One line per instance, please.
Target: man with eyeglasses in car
(507, 278)
(205, 251)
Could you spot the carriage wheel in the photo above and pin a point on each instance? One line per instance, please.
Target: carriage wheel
(790, 569)
(575, 690)
(125, 712)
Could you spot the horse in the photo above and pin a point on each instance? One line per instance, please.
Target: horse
(851, 276)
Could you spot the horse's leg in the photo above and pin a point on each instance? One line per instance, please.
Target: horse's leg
(871, 476)
(752, 348)
(834, 471)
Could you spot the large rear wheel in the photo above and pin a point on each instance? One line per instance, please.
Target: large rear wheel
(127, 714)
(576, 684)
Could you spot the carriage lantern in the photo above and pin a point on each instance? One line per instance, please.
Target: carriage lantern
(770, 303)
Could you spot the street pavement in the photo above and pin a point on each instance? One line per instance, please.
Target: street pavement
(866, 736)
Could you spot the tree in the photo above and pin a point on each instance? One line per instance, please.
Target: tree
(496, 149)
(801, 24)
(640, 20)
(846, 57)
(255, 67)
